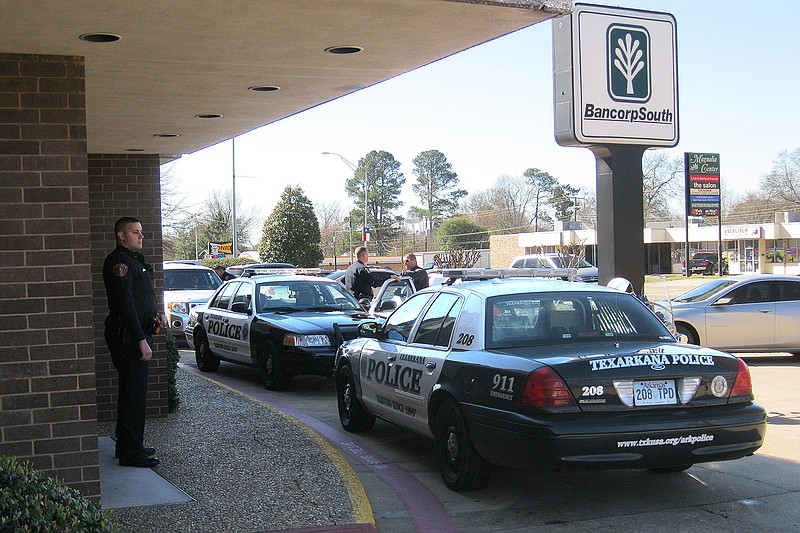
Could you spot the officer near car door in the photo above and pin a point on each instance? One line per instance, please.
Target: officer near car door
(358, 278)
(132, 320)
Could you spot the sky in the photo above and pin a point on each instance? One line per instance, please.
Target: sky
(489, 110)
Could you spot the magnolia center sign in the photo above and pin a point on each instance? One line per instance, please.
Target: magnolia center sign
(616, 77)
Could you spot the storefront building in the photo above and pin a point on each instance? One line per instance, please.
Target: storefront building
(771, 248)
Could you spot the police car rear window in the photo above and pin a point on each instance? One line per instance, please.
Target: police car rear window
(541, 318)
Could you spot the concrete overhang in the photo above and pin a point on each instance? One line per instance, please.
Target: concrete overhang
(179, 59)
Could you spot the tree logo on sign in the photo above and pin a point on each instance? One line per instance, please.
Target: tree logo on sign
(628, 63)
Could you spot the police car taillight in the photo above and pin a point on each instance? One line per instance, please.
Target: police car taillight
(545, 388)
(743, 386)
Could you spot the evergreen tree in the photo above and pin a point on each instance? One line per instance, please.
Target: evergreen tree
(436, 186)
(461, 233)
(291, 233)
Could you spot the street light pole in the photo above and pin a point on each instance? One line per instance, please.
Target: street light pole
(233, 192)
(353, 167)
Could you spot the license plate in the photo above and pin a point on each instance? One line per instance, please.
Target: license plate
(660, 392)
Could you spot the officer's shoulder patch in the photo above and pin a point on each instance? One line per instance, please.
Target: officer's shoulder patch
(120, 269)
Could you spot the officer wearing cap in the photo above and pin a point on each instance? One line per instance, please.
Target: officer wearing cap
(132, 320)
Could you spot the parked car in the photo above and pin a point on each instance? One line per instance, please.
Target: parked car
(282, 324)
(706, 263)
(185, 286)
(747, 313)
(586, 271)
(545, 373)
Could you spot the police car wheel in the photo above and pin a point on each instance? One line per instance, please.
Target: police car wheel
(206, 361)
(272, 374)
(670, 469)
(460, 465)
(351, 413)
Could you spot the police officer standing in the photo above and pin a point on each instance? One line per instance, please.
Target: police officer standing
(358, 278)
(133, 319)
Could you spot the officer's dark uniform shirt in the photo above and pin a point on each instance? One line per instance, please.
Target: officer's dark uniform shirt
(419, 276)
(359, 279)
(131, 296)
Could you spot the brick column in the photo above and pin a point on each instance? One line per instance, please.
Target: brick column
(48, 411)
(125, 185)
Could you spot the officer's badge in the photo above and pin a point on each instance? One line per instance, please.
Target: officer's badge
(120, 269)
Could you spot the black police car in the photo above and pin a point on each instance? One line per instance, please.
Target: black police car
(283, 324)
(545, 373)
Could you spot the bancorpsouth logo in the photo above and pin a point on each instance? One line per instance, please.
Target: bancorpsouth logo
(628, 63)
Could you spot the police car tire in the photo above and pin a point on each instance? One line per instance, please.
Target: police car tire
(460, 465)
(352, 415)
(206, 361)
(272, 374)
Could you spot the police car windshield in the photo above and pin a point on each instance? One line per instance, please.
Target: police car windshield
(295, 296)
(568, 317)
(190, 280)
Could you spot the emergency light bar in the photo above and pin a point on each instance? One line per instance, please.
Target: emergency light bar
(473, 274)
(249, 272)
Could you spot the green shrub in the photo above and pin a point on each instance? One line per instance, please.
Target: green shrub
(172, 366)
(32, 502)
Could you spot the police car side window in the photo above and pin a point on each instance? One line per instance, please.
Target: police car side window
(223, 298)
(399, 325)
(243, 298)
(431, 327)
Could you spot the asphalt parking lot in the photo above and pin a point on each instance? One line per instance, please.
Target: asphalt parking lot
(398, 473)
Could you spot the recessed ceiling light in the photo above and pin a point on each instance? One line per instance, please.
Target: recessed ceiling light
(100, 37)
(166, 135)
(344, 50)
(264, 88)
(134, 149)
(208, 115)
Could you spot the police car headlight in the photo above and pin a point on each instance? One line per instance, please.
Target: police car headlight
(306, 341)
(177, 307)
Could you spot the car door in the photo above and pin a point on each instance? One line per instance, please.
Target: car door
(378, 373)
(240, 317)
(217, 322)
(787, 315)
(422, 359)
(743, 318)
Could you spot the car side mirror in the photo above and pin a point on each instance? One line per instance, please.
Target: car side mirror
(368, 329)
(682, 337)
(723, 301)
(386, 305)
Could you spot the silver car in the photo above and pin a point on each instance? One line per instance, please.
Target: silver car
(748, 313)
(185, 286)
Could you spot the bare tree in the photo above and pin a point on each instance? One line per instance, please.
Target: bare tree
(331, 226)
(663, 183)
(782, 184)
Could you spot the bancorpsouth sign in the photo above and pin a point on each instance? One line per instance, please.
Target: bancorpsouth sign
(616, 77)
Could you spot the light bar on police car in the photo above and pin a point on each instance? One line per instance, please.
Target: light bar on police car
(276, 271)
(472, 274)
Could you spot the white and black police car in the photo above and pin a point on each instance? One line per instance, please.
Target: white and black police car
(545, 373)
(277, 320)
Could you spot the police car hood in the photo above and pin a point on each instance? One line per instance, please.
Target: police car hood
(314, 321)
(628, 360)
(187, 296)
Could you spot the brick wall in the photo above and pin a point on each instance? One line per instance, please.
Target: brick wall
(124, 185)
(47, 373)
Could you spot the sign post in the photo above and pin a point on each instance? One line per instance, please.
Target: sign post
(616, 93)
(703, 195)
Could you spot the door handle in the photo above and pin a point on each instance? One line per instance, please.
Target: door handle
(430, 365)
(765, 310)
(391, 358)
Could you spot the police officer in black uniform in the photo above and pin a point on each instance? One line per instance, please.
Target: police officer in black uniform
(133, 319)
(358, 278)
